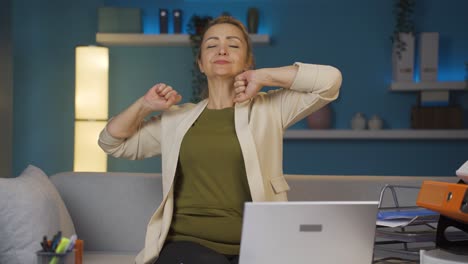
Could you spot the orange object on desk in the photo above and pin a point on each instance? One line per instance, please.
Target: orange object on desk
(79, 251)
(449, 199)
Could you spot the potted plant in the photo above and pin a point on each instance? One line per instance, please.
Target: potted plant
(404, 23)
(403, 40)
(195, 28)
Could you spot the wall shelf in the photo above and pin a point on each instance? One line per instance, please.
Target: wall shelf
(428, 86)
(136, 39)
(386, 134)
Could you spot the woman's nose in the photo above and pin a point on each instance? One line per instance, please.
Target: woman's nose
(222, 51)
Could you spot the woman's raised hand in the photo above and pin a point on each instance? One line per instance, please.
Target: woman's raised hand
(161, 97)
(247, 85)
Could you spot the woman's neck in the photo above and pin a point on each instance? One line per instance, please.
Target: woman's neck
(221, 93)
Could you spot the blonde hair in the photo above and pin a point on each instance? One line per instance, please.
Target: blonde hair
(232, 21)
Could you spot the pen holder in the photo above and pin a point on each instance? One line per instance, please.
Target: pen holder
(55, 258)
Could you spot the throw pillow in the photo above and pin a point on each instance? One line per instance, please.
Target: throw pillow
(30, 207)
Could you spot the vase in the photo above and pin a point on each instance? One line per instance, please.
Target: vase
(252, 20)
(320, 119)
(403, 58)
(375, 123)
(428, 56)
(358, 122)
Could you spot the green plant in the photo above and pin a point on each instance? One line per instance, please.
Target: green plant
(403, 11)
(195, 28)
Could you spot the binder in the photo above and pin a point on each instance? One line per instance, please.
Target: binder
(449, 199)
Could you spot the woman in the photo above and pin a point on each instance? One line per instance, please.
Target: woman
(221, 152)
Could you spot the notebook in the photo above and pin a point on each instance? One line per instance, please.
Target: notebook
(308, 232)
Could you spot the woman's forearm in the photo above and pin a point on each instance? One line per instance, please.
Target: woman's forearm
(279, 77)
(127, 122)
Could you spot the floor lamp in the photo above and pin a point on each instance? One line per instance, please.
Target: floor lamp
(91, 106)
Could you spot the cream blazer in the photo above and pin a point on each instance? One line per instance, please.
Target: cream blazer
(259, 123)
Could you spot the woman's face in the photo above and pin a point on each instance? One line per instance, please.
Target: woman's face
(223, 51)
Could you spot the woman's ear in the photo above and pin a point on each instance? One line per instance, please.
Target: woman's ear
(200, 66)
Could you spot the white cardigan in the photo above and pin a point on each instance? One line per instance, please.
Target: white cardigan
(260, 123)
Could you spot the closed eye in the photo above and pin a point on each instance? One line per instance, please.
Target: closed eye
(211, 46)
(234, 46)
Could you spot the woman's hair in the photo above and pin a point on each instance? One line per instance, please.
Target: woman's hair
(239, 25)
(232, 21)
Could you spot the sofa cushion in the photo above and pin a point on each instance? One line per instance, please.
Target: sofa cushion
(30, 207)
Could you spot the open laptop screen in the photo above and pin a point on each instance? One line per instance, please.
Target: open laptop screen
(308, 232)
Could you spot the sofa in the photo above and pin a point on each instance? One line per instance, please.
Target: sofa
(109, 211)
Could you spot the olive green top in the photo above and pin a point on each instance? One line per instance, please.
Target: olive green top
(211, 184)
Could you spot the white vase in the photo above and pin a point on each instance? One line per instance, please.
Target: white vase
(358, 122)
(428, 56)
(403, 60)
(375, 123)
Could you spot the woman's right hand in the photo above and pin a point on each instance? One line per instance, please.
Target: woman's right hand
(161, 97)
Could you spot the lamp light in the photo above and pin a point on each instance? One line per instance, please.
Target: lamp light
(91, 106)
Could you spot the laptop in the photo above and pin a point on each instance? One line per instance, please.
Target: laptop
(308, 232)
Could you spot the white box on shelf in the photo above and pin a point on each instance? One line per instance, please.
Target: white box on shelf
(435, 98)
(428, 56)
(403, 58)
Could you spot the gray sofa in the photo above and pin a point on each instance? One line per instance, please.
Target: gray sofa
(110, 210)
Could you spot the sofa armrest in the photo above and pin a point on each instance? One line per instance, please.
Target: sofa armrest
(110, 211)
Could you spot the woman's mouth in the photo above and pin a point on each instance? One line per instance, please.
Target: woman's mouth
(221, 62)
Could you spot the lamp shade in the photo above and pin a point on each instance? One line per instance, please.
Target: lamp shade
(91, 83)
(91, 106)
(88, 155)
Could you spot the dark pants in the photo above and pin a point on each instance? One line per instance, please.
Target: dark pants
(185, 252)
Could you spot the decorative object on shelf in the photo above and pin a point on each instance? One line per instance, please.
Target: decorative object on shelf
(119, 20)
(252, 20)
(403, 11)
(375, 123)
(403, 60)
(195, 28)
(358, 122)
(197, 24)
(434, 98)
(177, 20)
(448, 117)
(428, 56)
(163, 21)
(320, 119)
(403, 41)
(466, 73)
(91, 106)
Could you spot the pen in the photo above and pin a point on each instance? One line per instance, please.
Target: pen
(72, 242)
(44, 244)
(56, 240)
(61, 248)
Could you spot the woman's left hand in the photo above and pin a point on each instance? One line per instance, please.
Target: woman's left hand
(247, 85)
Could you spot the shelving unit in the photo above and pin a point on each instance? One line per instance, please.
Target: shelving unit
(428, 86)
(134, 39)
(385, 134)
